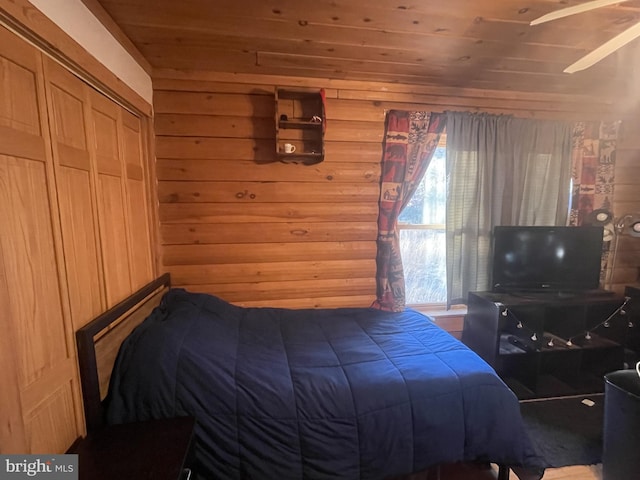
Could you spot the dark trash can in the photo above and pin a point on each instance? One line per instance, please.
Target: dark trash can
(621, 434)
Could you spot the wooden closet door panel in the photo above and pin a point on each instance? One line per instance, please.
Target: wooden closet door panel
(19, 109)
(141, 250)
(12, 431)
(134, 158)
(52, 417)
(112, 211)
(104, 114)
(140, 238)
(80, 244)
(37, 315)
(114, 246)
(67, 105)
(25, 216)
(20, 129)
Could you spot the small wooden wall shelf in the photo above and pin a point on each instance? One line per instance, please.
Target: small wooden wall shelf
(299, 122)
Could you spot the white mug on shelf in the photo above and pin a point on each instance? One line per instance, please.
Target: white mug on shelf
(289, 148)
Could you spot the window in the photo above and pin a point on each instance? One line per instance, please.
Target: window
(422, 235)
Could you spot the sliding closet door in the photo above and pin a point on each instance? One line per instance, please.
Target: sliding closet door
(74, 236)
(35, 314)
(122, 198)
(137, 199)
(112, 208)
(68, 110)
(100, 172)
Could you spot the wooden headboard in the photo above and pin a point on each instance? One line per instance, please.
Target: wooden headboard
(98, 343)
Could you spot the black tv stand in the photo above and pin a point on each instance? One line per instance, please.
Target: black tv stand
(545, 344)
(535, 294)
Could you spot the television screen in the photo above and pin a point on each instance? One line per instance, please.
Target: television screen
(546, 258)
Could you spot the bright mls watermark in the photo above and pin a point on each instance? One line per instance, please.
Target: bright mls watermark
(51, 467)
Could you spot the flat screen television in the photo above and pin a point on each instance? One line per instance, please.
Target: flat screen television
(553, 259)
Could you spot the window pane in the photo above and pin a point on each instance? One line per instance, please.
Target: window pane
(423, 250)
(427, 205)
(423, 259)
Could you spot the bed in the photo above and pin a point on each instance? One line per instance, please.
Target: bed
(349, 393)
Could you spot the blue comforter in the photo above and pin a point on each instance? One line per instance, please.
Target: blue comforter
(350, 393)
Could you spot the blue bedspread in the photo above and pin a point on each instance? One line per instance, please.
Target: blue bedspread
(330, 393)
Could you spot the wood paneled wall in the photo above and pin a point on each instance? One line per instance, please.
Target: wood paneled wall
(74, 240)
(239, 224)
(627, 200)
(255, 231)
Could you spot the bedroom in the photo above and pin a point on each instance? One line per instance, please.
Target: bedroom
(295, 228)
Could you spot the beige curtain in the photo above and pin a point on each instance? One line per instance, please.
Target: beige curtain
(502, 171)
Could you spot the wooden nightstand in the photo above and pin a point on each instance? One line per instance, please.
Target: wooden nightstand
(152, 450)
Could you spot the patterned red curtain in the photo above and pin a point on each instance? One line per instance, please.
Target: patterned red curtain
(409, 142)
(593, 161)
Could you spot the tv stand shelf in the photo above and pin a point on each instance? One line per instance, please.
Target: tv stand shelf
(544, 344)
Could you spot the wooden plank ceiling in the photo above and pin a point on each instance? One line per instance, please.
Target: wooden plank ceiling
(485, 44)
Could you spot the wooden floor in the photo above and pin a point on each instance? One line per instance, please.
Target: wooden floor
(579, 472)
(467, 472)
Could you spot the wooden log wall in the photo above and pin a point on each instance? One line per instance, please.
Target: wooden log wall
(626, 200)
(237, 223)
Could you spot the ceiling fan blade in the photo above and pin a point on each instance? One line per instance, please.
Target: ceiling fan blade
(605, 49)
(583, 7)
